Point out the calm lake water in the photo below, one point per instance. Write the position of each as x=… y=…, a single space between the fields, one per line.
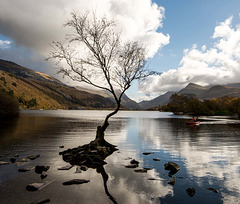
x=209 y=157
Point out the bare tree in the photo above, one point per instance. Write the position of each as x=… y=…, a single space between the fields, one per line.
x=93 y=53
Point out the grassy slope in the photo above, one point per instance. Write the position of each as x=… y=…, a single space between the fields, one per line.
x=50 y=95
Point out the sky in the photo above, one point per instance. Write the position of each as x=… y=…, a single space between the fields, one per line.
x=188 y=41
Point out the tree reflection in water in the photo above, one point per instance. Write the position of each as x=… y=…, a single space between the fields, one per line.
x=92 y=156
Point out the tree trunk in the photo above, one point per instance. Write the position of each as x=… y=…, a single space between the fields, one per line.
x=101 y=129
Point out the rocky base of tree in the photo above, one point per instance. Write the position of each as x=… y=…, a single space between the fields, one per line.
x=91 y=155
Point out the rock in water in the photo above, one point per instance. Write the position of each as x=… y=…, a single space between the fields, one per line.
x=213 y=190
x=32 y=157
x=78 y=170
x=190 y=191
x=172 y=181
x=75 y=181
x=141 y=170
x=67 y=167
x=156 y=159
x=147 y=153
x=173 y=167
x=43 y=175
x=29 y=168
x=132 y=166
x=133 y=161
x=41 y=201
x=40 y=169
x=37 y=186
x=12 y=160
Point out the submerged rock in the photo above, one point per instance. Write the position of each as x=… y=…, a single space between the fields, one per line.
x=213 y=190
x=37 y=186
x=133 y=161
x=190 y=191
x=29 y=168
x=32 y=157
x=67 y=167
x=172 y=181
x=78 y=170
x=132 y=166
x=147 y=153
x=41 y=201
x=75 y=181
x=43 y=175
x=40 y=169
x=143 y=170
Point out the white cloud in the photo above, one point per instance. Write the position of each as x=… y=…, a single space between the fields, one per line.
x=4 y=44
x=34 y=24
x=219 y=64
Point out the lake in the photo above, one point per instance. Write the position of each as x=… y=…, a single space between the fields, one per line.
x=208 y=154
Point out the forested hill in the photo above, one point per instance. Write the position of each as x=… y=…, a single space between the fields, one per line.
x=35 y=90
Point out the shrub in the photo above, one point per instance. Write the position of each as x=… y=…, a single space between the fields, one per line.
x=8 y=105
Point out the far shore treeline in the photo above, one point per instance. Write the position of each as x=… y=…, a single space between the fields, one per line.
x=191 y=105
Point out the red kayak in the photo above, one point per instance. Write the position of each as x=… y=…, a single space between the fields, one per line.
x=192 y=122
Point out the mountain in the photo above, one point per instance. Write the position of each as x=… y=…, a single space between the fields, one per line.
x=41 y=91
x=24 y=72
x=195 y=89
x=203 y=93
x=126 y=101
x=160 y=100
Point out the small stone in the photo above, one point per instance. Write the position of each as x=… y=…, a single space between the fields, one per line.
x=41 y=202
x=12 y=160
x=43 y=175
x=133 y=161
x=156 y=159
x=213 y=190
x=32 y=157
x=78 y=170
x=84 y=168
x=61 y=146
x=40 y=169
x=75 y=181
x=172 y=181
x=67 y=167
x=147 y=153
x=4 y=163
x=172 y=166
x=141 y=170
x=190 y=191
x=132 y=166
x=29 y=168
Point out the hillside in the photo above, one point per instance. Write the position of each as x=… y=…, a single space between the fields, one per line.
x=201 y=92
x=158 y=101
x=35 y=90
x=126 y=101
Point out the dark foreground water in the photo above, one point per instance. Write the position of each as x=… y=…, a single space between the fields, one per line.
x=209 y=156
